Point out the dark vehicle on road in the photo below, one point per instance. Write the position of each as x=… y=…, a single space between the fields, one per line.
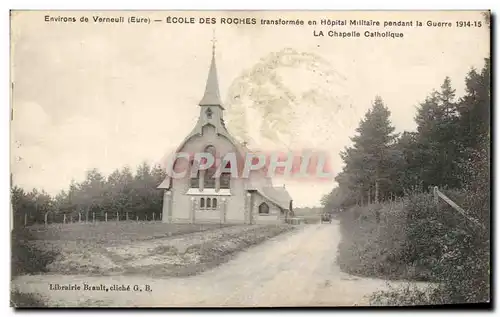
x=326 y=218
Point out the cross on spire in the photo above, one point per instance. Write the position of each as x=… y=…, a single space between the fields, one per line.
x=211 y=96
x=214 y=40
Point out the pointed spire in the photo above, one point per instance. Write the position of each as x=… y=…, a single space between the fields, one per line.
x=211 y=96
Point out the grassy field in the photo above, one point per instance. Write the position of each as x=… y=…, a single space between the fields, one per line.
x=111 y=231
x=155 y=249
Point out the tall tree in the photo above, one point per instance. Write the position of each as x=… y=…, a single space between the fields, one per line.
x=368 y=162
x=92 y=193
x=474 y=108
x=406 y=172
x=438 y=139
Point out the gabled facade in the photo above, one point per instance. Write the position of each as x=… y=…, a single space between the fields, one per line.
x=223 y=199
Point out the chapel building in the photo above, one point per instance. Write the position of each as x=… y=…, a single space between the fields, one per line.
x=223 y=199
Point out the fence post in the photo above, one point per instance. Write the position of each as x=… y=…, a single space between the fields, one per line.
x=436 y=198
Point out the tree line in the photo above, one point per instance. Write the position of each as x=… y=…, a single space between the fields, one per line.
x=123 y=194
x=420 y=238
x=452 y=135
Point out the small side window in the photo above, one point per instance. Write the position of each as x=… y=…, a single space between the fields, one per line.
x=263 y=209
x=209 y=113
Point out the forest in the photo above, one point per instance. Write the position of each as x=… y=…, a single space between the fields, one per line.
x=392 y=225
x=452 y=135
x=123 y=194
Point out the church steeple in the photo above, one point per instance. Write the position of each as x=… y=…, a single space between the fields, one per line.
x=212 y=96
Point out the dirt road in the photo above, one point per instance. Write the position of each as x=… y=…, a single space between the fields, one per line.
x=294 y=269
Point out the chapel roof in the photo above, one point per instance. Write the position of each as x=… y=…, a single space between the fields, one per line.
x=211 y=97
x=277 y=195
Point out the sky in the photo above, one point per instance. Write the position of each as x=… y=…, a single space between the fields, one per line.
x=90 y=95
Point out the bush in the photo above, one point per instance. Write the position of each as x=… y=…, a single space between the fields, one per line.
x=371 y=248
x=448 y=248
x=21 y=300
x=406 y=295
x=26 y=258
x=464 y=269
x=417 y=242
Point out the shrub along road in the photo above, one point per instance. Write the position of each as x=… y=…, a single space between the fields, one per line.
x=292 y=269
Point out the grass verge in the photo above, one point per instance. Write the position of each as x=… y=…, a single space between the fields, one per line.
x=180 y=255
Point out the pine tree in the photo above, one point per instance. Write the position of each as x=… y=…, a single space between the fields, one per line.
x=438 y=139
x=368 y=162
x=407 y=168
x=475 y=108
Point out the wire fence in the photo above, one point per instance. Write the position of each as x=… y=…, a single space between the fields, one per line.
x=440 y=195
x=25 y=219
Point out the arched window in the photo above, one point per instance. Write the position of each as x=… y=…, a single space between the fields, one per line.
x=263 y=209
x=225 y=180
x=208 y=203
x=214 y=203
x=202 y=203
x=194 y=182
x=209 y=179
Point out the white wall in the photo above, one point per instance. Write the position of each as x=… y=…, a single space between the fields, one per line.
x=181 y=206
x=274 y=215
